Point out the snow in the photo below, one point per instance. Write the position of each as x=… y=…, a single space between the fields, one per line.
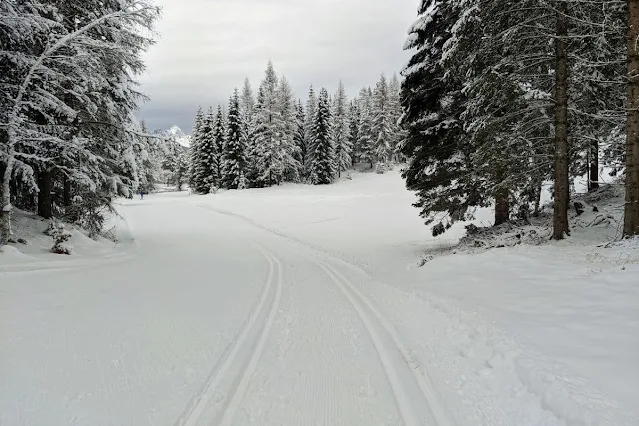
x=305 y=305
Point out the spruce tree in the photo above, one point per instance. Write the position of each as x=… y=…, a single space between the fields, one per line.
x=219 y=138
x=341 y=130
x=299 y=139
x=309 y=123
x=288 y=127
x=382 y=117
x=365 y=131
x=194 y=150
x=234 y=158
x=205 y=173
x=439 y=167
x=268 y=137
x=323 y=166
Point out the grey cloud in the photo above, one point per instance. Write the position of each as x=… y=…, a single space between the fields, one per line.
x=208 y=47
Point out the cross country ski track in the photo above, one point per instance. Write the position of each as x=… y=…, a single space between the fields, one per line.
x=224 y=390
x=417 y=399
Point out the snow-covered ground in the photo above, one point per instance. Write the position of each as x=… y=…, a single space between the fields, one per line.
x=300 y=305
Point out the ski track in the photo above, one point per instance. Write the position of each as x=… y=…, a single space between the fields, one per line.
x=240 y=363
x=417 y=399
x=417 y=407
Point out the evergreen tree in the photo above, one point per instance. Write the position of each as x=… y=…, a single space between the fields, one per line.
x=354 y=118
x=204 y=161
x=299 y=139
x=364 y=147
x=341 y=130
x=323 y=166
x=268 y=142
x=382 y=117
x=234 y=160
x=219 y=137
x=195 y=151
x=439 y=167
x=309 y=123
x=286 y=132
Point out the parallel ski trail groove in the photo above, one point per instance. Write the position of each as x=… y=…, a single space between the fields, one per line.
x=242 y=386
x=203 y=400
x=430 y=411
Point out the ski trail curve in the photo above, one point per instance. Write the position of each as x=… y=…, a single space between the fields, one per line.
x=416 y=397
x=242 y=386
x=244 y=347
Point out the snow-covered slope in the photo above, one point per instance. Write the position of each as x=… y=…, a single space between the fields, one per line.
x=304 y=305
x=179 y=136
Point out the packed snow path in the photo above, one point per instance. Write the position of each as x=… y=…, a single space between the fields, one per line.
x=219 y=323
x=229 y=313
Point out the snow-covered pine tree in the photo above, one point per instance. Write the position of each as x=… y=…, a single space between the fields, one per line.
x=268 y=119
x=323 y=166
x=67 y=97
x=309 y=123
x=341 y=130
x=299 y=139
x=364 y=147
x=234 y=160
x=194 y=149
x=382 y=118
x=286 y=132
x=395 y=106
x=354 y=118
x=219 y=134
x=204 y=161
x=439 y=167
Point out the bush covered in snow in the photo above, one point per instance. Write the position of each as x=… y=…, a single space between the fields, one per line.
x=61 y=237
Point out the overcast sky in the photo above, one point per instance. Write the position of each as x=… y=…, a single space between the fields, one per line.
x=207 y=47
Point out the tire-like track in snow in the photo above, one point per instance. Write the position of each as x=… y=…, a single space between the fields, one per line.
x=231 y=379
x=417 y=399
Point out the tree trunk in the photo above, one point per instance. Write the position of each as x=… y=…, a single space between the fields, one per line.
x=45 y=206
x=67 y=192
x=538 y=190
x=502 y=206
x=593 y=166
x=562 y=191
x=631 y=214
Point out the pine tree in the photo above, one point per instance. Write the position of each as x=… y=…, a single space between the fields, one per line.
x=341 y=130
x=439 y=167
x=204 y=161
x=354 y=118
x=234 y=160
x=286 y=132
x=394 y=103
x=268 y=118
x=323 y=166
x=219 y=135
x=382 y=117
x=299 y=139
x=364 y=147
x=194 y=150
x=309 y=123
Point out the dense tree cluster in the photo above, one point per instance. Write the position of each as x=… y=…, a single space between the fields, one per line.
x=501 y=96
x=68 y=137
x=273 y=137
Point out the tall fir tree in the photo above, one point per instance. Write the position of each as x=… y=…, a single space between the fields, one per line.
x=382 y=117
x=341 y=130
x=323 y=166
x=234 y=157
x=309 y=123
x=439 y=167
x=299 y=139
x=205 y=167
x=364 y=147
x=194 y=150
x=219 y=144
x=268 y=136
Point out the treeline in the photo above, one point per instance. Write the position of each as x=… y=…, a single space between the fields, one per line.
x=501 y=96
x=263 y=140
x=69 y=140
